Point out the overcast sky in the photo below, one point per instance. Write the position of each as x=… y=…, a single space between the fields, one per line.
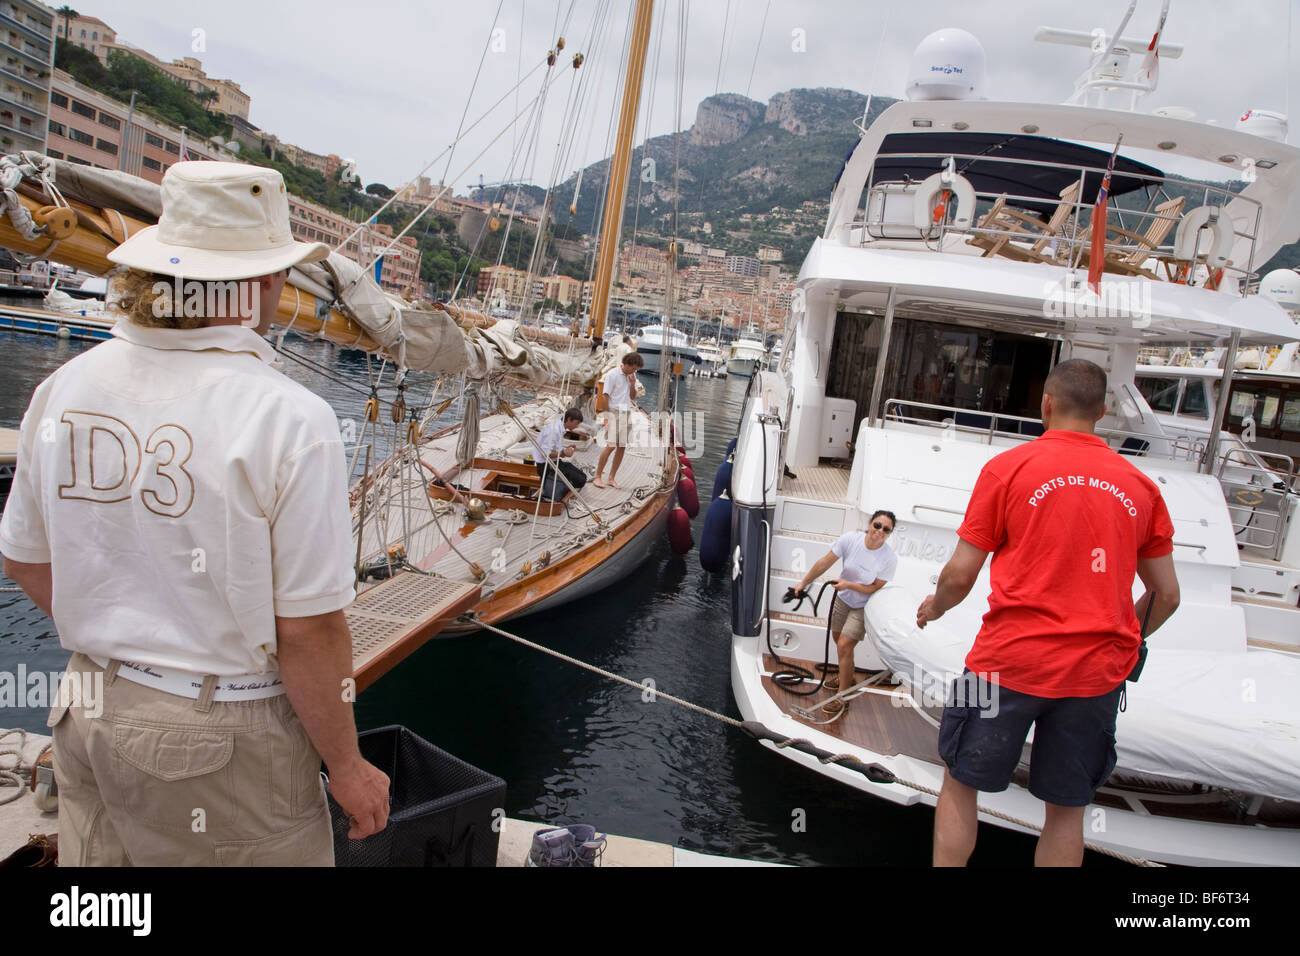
x=385 y=82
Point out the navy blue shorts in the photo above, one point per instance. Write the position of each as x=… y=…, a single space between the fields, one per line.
x=982 y=737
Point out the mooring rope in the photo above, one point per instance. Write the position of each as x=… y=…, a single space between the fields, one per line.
x=873 y=772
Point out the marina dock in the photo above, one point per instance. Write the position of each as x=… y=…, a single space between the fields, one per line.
x=22 y=818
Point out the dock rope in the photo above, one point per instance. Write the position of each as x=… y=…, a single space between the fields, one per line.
x=17 y=776
x=873 y=772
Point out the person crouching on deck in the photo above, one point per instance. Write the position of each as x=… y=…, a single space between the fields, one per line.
x=554 y=450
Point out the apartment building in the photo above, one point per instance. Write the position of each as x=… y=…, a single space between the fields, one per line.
x=89 y=33
x=92 y=129
x=27 y=55
x=743 y=265
x=401 y=270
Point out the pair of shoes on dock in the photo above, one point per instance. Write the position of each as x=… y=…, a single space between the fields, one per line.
x=575 y=845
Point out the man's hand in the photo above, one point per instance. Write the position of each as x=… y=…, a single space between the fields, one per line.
x=361 y=789
x=569 y=450
x=840 y=584
x=955 y=581
x=315 y=656
x=927 y=612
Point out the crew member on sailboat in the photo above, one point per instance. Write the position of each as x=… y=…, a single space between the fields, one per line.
x=616 y=393
x=551 y=441
x=1069 y=522
x=181 y=510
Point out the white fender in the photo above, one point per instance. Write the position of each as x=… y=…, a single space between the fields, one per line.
x=1211 y=218
x=927 y=197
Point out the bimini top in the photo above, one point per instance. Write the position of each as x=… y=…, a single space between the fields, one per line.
x=902 y=156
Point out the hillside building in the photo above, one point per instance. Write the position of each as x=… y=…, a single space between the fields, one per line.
x=27 y=47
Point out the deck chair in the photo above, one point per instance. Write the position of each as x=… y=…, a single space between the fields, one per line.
x=1012 y=226
x=1144 y=245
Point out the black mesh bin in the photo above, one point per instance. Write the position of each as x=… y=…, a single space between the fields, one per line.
x=441 y=813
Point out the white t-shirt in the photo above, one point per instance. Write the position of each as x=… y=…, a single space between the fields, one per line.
x=862 y=565
x=615 y=385
x=186 y=493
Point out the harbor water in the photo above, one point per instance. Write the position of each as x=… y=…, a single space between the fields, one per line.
x=571 y=745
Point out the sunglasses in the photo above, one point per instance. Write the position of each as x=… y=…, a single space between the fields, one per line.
x=880 y=527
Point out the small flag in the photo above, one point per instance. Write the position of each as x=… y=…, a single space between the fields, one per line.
x=1151 y=62
x=1097 y=255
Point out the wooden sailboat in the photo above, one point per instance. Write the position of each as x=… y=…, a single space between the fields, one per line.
x=451 y=528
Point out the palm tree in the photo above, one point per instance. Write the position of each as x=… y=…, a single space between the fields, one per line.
x=68 y=15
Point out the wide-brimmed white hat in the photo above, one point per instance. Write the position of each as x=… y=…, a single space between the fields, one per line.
x=219 y=221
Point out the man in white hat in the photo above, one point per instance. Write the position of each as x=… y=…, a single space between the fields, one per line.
x=180 y=510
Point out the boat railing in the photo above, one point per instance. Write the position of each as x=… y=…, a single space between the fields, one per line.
x=986 y=426
x=1261 y=489
x=1139 y=242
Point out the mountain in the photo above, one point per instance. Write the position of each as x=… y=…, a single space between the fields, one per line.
x=739 y=157
x=739 y=160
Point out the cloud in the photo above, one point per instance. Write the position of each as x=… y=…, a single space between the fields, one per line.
x=386 y=82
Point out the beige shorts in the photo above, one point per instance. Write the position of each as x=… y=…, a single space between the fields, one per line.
x=155 y=781
x=848 y=621
x=617 y=423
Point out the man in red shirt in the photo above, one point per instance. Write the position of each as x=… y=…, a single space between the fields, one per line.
x=1069 y=523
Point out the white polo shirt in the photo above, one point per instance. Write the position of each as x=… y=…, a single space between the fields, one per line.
x=185 y=493
x=615 y=385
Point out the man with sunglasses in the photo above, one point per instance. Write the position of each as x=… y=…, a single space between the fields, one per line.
x=869 y=564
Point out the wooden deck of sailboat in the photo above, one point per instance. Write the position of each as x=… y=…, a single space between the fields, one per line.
x=390 y=620
x=509 y=545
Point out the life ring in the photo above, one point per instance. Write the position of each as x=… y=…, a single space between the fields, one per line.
x=930 y=198
x=1189 y=231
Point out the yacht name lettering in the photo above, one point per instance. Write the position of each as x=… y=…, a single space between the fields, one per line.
x=924 y=549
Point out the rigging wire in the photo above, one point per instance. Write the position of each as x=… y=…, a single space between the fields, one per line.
x=757 y=47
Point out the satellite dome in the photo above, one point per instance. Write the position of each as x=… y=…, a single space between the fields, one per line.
x=1283 y=287
x=947 y=65
x=1264 y=123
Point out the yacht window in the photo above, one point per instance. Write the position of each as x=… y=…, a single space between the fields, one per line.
x=1241 y=405
x=1161 y=393
x=1194 y=404
x=1291 y=414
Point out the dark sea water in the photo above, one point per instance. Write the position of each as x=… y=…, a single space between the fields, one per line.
x=571 y=745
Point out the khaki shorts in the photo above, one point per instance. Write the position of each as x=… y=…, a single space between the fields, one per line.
x=156 y=781
x=617 y=423
x=848 y=621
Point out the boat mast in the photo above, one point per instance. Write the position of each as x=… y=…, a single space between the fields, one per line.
x=616 y=189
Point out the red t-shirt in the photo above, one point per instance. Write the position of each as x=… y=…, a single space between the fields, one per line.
x=1067 y=520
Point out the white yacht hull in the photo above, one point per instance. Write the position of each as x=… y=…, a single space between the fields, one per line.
x=1163 y=839
x=741 y=366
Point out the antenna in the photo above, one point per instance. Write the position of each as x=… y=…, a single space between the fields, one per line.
x=1108 y=71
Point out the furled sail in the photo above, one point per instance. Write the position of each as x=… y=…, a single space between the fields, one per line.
x=50 y=208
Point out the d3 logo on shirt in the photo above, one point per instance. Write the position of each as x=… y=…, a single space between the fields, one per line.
x=107 y=458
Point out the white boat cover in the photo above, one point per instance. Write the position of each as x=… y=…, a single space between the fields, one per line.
x=1224 y=719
